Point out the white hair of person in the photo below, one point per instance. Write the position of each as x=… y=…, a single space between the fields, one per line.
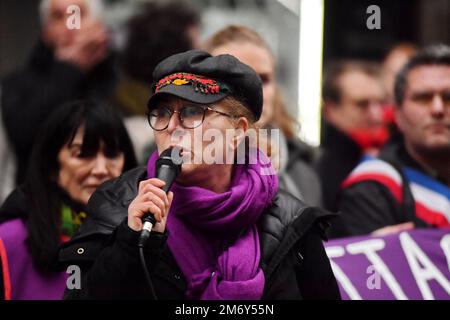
x=96 y=8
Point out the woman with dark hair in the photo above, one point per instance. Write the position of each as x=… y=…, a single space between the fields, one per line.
x=225 y=230
x=80 y=146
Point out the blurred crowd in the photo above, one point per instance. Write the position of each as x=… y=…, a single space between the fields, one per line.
x=75 y=115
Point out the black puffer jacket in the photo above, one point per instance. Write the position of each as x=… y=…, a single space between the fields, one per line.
x=292 y=254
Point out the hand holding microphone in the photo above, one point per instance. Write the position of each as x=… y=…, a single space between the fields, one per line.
x=154 y=199
x=151 y=199
x=149 y=210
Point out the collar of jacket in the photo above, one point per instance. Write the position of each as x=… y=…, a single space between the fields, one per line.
x=280 y=226
x=396 y=154
x=337 y=140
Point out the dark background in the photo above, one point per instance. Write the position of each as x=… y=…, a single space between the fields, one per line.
x=346 y=34
x=419 y=21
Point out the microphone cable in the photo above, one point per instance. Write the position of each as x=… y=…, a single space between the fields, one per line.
x=142 y=240
x=167 y=169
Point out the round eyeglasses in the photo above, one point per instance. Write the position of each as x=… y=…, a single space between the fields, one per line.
x=191 y=116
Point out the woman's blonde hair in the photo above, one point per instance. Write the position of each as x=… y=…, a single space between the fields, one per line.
x=233 y=34
x=241 y=34
x=237 y=109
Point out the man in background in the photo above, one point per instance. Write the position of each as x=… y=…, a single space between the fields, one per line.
x=66 y=64
x=408 y=185
x=353 y=112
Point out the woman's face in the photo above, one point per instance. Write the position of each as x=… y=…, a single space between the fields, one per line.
x=202 y=146
x=260 y=60
x=80 y=175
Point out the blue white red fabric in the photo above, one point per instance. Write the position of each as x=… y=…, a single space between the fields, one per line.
x=432 y=198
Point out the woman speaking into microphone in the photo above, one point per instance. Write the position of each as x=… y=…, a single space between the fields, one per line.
x=224 y=230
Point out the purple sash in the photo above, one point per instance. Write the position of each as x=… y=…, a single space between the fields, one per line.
x=26 y=282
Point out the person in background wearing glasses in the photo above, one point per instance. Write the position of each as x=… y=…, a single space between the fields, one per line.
x=290 y=156
x=353 y=106
x=225 y=230
x=408 y=185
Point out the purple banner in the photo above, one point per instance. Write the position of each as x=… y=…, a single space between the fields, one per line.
x=412 y=265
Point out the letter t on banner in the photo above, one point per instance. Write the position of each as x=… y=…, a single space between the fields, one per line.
x=370 y=248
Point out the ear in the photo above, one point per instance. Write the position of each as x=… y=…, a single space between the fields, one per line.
x=240 y=130
x=328 y=110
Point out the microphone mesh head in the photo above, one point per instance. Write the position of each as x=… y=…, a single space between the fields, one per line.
x=171 y=157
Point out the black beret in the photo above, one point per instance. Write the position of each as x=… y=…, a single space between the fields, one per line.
x=198 y=77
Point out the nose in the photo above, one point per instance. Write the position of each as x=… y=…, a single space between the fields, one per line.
x=174 y=123
x=437 y=106
x=100 y=168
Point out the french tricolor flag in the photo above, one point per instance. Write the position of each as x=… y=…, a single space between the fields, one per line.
x=432 y=198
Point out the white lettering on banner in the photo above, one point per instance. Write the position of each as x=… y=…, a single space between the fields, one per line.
x=369 y=248
x=336 y=252
x=415 y=255
x=445 y=245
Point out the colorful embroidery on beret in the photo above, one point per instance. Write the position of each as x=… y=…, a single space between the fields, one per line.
x=200 y=84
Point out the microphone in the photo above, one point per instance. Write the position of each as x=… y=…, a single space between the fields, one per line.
x=168 y=167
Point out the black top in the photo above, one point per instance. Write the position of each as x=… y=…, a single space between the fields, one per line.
x=293 y=258
x=339 y=156
x=16 y=204
x=369 y=205
x=30 y=94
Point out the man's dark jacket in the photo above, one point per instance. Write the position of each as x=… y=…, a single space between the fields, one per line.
x=293 y=258
x=30 y=94
x=339 y=155
x=368 y=205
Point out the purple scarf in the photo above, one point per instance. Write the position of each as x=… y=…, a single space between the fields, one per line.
x=214 y=237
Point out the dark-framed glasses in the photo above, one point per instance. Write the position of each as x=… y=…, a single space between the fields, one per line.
x=190 y=116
